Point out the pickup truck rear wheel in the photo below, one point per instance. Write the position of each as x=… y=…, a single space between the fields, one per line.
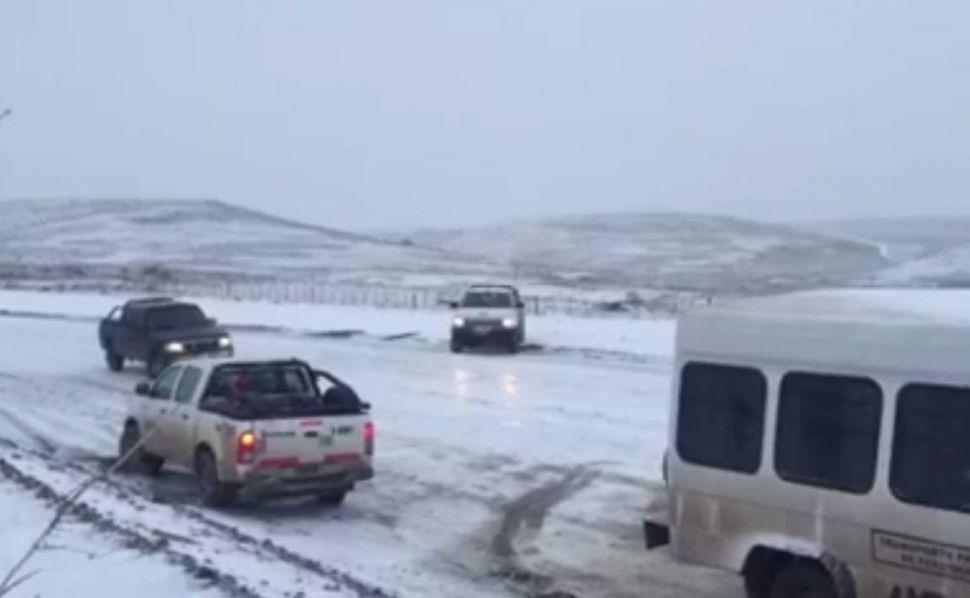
x=214 y=492
x=456 y=346
x=115 y=362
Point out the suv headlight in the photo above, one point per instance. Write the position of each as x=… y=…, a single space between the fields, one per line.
x=175 y=348
x=510 y=322
x=458 y=322
x=225 y=342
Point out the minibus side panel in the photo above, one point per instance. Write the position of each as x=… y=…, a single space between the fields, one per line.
x=892 y=549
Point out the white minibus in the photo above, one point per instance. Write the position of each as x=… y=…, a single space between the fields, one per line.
x=820 y=444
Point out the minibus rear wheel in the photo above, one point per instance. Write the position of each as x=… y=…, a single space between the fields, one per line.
x=803 y=579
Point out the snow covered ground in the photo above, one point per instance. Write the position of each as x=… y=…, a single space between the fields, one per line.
x=634 y=339
x=76 y=562
x=496 y=475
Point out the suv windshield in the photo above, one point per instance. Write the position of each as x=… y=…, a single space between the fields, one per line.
x=177 y=316
x=487 y=299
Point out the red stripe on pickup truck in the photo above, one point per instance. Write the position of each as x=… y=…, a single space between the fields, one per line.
x=342 y=458
x=284 y=463
x=311 y=423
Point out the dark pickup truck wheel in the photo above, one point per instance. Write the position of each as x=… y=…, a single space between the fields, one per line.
x=512 y=344
x=115 y=362
x=456 y=346
x=156 y=365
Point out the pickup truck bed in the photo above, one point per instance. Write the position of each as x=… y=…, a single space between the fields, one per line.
x=256 y=429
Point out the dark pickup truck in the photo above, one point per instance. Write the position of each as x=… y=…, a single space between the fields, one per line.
x=159 y=331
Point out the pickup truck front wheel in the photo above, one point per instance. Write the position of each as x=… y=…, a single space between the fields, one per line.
x=115 y=362
x=139 y=461
x=214 y=492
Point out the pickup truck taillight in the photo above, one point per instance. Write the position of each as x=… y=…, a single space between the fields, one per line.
x=370 y=433
x=248 y=445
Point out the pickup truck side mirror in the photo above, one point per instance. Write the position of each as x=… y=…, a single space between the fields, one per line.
x=453 y=305
x=520 y=305
x=143 y=389
x=212 y=321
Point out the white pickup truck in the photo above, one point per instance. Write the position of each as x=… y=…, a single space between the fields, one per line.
x=253 y=429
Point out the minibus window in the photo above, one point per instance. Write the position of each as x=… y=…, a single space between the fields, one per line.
x=931 y=449
x=828 y=431
x=721 y=416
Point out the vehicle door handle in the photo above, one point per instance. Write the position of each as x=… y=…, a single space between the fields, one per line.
x=185 y=416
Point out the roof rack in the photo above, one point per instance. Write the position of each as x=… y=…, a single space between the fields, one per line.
x=151 y=300
x=491 y=286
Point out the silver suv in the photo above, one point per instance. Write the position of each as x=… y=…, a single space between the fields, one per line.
x=488 y=314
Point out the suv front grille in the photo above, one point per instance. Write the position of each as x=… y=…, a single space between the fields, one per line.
x=205 y=346
x=483 y=323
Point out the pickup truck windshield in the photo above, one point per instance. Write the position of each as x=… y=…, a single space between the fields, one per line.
x=487 y=299
x=175 y=317
x=261 y=381
x=275 y=390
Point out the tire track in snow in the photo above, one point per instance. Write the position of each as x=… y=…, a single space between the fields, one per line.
x=241 y=538
x=37 y=409
x=40 y=440
x=533 y=506
x=531 y=509
x=130 y=538
x=138 y=534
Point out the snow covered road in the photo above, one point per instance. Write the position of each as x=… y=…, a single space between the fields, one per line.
x=496 y=475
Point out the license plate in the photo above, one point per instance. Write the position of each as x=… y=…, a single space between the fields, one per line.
x=304 y=469
x=482 y=329
x=326 y=441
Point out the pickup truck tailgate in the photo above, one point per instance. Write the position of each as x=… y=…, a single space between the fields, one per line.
x=312 y=440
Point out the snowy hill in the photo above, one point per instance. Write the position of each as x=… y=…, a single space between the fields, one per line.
x=204 y=235
x=932 y=251
x=905 y=238
x=679 y=251
x=598 y=258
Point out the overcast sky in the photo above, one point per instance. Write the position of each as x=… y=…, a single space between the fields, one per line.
x=401 y=113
